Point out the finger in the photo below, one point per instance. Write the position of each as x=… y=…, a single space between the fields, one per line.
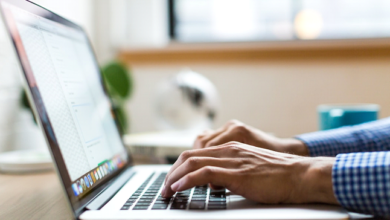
x=202 y=139
x=215 y=187
x=233 y=133
x=209 y=174
x=206 y=152
x=193 y=164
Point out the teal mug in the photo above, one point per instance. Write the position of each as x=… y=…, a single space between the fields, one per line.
x=339 y=115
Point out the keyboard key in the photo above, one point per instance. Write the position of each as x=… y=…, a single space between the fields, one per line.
x=163 y=199
x=198 y=199
x=158 y=207
x=162 y=202
x=149 y=194
x=217 y=196
x=211 y=203
x=140 y=207
x=212 y=191
x=197 y=205
x=125 y=208
x=143 y=203
x=147 y=197
x=154 y=187
x=180 y=200
x=199 y=196
x=217 y=199
x=179 y=206
x=145 y=200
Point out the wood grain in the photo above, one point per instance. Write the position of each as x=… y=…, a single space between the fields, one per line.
x=32 y=196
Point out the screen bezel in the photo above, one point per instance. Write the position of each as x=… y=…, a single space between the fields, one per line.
x=40 y=111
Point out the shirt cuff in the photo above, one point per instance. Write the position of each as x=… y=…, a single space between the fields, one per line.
x=367 y=137
x=361 y=182
x=330 y=142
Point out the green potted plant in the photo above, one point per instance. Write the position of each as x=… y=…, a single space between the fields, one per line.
x=119 y=86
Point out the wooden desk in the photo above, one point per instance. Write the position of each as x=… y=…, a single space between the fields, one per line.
x=37 y=196
x=32 y=196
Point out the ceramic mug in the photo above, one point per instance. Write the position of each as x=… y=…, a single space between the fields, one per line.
x=339 y=115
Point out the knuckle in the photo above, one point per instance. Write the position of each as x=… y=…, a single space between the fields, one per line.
x=202 y=141
x=185 y=155
x=210 y=144
x=208 y=171
x=201 y=136
x=240 y=129
x=229 y=145
x=241 y=162
x=193 y=161
x=232 y=144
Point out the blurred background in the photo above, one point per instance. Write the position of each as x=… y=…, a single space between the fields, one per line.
x=272 y=62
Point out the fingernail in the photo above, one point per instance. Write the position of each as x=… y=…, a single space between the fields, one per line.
x=175 y=186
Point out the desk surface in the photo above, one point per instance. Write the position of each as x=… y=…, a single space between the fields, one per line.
x=32 y=196
x=35 y=196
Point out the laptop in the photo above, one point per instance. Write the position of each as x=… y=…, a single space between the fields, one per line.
x=64 y=85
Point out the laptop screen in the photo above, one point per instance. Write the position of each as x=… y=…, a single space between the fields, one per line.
x=66 y=86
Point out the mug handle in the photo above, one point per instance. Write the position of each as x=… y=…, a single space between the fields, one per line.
x=336 y=118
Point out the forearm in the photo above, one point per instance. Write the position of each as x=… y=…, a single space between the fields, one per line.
x=374 y=136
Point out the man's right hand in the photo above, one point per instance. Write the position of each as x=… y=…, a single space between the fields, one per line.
x=238 y=131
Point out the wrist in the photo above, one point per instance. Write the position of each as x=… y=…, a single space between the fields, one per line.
x=295 y=146
x=316 y=181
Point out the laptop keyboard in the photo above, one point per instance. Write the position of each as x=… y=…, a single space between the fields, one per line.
x=197 y=198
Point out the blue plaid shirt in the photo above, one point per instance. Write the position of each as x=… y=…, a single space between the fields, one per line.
x=361 y=174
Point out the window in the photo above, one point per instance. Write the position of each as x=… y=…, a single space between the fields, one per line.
x=265 y=20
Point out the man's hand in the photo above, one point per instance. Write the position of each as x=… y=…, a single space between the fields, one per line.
x=257 y=174
x=237 y=131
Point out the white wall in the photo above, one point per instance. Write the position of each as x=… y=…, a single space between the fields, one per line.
x=276 y=96
x=129 y=24
x=9 y=89
x=79 y=11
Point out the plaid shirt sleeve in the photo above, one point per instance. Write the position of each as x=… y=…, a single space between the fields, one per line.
x=368 y=137
x=361 y=180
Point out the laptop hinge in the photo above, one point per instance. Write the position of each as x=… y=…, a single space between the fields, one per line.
x=110 y=192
